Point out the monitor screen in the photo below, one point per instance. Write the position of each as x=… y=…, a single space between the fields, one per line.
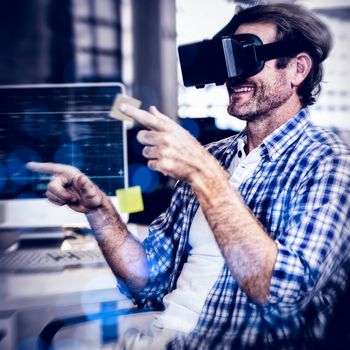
x=67 y=124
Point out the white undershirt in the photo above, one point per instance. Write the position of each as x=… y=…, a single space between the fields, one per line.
x=204 y=264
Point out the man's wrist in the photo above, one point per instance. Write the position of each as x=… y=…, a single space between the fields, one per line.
x=210 y=181
x=105 y=206
x=106 y=222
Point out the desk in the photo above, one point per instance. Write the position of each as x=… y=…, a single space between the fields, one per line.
x=28 y=301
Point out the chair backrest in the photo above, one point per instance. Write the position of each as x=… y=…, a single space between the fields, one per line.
x=47 y=335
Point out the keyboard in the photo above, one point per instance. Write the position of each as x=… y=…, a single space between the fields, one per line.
x=35 y=260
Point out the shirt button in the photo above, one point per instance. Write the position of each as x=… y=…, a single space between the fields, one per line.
x=239 y=154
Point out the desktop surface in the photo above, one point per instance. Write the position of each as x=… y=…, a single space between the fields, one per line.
x=33 y=298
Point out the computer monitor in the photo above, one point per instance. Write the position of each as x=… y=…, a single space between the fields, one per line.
x=64 y=123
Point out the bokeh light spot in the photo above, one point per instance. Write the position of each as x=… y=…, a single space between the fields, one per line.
x=191 y=126
x=3 y=177
x=141 y=175
x=15 y=165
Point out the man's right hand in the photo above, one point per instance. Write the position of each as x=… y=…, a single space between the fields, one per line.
x=70 y=186
x=124 y=254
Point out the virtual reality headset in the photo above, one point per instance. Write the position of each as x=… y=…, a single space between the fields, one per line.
x=231 y=58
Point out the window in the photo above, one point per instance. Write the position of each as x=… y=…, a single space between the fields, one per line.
x=333 y=106
x=97 y=32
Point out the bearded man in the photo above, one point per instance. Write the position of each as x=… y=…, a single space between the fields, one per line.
x=252 y=251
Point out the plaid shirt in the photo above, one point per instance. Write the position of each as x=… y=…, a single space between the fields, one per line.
x=300 y=192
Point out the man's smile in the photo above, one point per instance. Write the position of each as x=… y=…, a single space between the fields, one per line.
x=243 y=92
x=242 y=89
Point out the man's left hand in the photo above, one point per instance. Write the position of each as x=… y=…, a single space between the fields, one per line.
x=171 y=149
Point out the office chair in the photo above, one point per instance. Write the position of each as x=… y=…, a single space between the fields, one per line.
x=338 y=335
x=47 y=335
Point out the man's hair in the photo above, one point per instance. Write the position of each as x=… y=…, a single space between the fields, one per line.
x=297 y=23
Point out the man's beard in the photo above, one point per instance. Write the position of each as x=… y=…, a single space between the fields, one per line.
x=266 y=98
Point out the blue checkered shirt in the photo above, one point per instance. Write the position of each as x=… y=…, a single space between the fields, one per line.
x=300 y=192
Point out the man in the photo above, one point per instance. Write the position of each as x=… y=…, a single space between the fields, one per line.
x=252 y=250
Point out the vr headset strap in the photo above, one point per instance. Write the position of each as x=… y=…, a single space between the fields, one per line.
x=283 y=48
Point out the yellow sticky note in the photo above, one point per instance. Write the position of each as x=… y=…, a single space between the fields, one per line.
x=116 y=113
x=130 y=200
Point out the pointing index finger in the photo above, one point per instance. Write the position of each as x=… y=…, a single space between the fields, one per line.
x=51 y=168
x=150 y=121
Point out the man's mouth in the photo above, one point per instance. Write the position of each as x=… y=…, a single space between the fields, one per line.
x=241 y=89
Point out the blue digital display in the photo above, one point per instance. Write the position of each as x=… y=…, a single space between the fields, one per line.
x=63 y=124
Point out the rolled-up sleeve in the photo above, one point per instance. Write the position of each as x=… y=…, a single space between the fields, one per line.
x=163 y=247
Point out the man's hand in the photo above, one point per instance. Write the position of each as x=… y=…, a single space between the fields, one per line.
x=124 y=254
x=170 y=149
x=249 y=252
x=69 y=186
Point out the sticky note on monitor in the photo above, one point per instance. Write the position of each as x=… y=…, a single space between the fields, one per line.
x=119 y=99
x=130 y=200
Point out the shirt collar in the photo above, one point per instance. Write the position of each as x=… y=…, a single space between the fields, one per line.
x=275 y=144
x=231 y=149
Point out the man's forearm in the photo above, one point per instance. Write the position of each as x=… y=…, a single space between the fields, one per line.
x=124 y=254
x=247 y=249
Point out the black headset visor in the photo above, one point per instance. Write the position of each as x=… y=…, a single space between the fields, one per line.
x=229 y=58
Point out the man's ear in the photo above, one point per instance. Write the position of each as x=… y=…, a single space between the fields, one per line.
x=302 y=67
